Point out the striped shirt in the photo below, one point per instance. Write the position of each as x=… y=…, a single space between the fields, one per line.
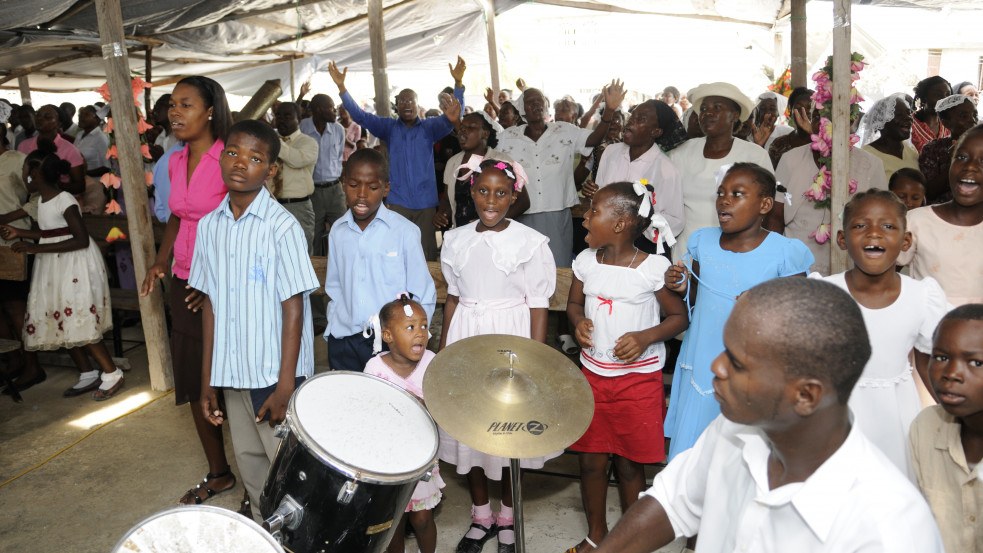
x=247 y=268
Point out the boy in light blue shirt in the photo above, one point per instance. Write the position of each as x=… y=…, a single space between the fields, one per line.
x=374 y=254
x=251 y=263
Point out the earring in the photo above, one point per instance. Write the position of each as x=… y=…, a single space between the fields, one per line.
x=209 y=117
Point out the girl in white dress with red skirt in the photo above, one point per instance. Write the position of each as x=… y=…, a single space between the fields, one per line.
x=614 y=305
x=500 y=275
x=68 y=305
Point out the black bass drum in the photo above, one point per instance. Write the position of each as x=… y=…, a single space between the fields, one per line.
x=354 y=447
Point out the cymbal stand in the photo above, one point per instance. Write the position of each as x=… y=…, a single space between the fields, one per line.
x=520 y=533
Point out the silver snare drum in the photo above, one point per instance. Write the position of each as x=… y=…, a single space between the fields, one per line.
x=197 y=529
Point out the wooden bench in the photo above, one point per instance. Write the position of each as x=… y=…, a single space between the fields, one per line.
x=558 y=302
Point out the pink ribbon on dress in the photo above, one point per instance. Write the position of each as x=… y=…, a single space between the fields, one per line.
x=607 y=302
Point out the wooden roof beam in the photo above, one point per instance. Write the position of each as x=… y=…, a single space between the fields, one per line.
x=618 y=9
x=309 y=34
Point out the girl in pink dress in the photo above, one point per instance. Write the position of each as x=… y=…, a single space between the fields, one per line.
x=500 y=275
x=405 y=330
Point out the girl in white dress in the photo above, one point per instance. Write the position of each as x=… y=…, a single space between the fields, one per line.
x=900 y=313
x=68 y=305
x=614 y=304
x=405 y=330
x=500 y=275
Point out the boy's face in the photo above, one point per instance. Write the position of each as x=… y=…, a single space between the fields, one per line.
x=956 y=367
x=364 y=192
x=911 y=192
x=407 y=336
x=749 y=383
x=246 y=163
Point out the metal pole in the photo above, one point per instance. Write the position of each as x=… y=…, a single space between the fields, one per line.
x=489 y=8
x=800 y=63
x=520 y=533
x=839 y=193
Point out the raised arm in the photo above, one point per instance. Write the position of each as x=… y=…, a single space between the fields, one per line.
x=613 y=95
x=379 y=126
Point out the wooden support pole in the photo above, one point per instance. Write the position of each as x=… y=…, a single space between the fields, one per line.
x=137 y=207
x=148 y=105
x=489 y=8
x=25 y=90
x=293 y=90
x=839 y=193
x=377 y=42
x=800 y=63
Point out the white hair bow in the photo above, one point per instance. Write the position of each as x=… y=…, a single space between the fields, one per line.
x=373 y=326
x=658 y=229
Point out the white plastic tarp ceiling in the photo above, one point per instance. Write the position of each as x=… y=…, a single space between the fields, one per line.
x=242 y=43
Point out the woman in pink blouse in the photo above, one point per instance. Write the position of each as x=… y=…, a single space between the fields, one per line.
x=199 y=115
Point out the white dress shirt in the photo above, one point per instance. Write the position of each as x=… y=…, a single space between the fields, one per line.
x=298 y=154
x=617 y=166
x=548 y=163
x=855 y=501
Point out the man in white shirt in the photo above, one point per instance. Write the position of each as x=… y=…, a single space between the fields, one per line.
x=328 y=198
x=546 y=151
x=298 y=154
x=783 y=468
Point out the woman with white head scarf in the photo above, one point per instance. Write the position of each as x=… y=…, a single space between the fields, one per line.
x=886 y=132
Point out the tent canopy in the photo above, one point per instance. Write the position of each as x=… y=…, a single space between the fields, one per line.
x=245 y=42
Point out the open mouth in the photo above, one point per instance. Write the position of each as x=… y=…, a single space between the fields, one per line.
x=417 y=348
x=724 y=216
x=360 y=208
x=873 y=251
x=966 y=186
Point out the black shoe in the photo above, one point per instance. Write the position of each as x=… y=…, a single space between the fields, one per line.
x=470 y=545
x=506 y=547
x=25 y=384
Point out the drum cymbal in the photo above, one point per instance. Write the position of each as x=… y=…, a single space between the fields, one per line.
x=539 y=407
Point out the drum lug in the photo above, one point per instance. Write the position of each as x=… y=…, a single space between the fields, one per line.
x=288 y=515
x=429 y=474
x=346 y=492
x=281 y=431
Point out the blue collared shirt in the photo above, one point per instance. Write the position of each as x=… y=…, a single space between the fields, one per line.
x=331 y=145
x=248 y=268
x=368 y=269
x=412 y=181
x=162 y=184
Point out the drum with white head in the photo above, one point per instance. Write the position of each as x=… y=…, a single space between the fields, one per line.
x=354 y=446
x=197 y=529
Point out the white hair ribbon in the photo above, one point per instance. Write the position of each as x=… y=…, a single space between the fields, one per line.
x=658 y=229
x=721 y=173
x=373 y=326
x=512 y=170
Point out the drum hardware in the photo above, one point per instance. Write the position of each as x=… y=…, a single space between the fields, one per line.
x=521 y=410
x=346 y=492
x=287 y=515
x=281 y=430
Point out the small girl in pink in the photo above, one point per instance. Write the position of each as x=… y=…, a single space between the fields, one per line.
x=947 y=237
x=500 y=275
x=405 y=330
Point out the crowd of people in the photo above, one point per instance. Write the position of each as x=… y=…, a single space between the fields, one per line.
x=794 y=419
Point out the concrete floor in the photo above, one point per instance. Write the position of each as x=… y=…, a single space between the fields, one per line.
x=98 y=482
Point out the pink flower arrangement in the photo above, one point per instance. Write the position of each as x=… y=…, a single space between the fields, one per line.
x=149 y=178
x=109 y=126
x=109 y=180
x=822 y=141
x=822 y=233
x=113 y=208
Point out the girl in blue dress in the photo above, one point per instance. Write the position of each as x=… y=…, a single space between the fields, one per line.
x=723 y=262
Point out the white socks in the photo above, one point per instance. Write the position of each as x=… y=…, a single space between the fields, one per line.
x=110 y=379
x=86 y=379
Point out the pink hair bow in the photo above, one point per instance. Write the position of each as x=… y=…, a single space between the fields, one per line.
x=512 y=170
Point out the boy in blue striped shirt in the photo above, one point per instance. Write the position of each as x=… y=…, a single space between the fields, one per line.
x=251 y=263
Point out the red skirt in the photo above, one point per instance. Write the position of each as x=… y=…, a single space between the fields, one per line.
x=628 y=415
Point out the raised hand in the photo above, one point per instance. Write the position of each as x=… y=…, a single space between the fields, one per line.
x=761 y=133
x=451 y=108
x=520 y=84
x=337 y=76
x=457 y=71
x=304 y=89
x=613 y=95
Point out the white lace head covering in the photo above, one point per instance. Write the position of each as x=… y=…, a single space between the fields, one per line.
x=878 y=116
x=494 y=124
x=782 y=102
x=5 y=110
x=950 y=102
